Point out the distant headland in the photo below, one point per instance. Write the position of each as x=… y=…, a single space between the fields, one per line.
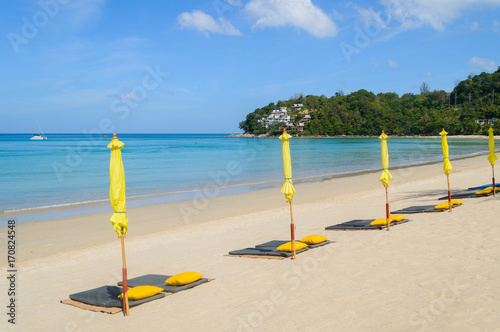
x=470 y=108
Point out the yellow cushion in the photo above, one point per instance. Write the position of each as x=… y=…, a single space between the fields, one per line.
x=442 y=206
x=484 y=191
x=288 y=246
x=397 y=217
x=446 y=204
x=314 y=239
x=379 y=222
x=383 y=221
x=141 y=292
x=184 y=278
x=487 y=190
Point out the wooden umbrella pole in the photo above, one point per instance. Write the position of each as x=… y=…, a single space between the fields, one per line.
x=493 y=171
x=292 y=231
x=449 y=191
x=125 y=285
x=387 y=209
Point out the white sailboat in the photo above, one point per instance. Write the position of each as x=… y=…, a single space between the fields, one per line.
x=39 y=136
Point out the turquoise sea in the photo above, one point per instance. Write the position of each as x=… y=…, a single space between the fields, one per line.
x=41 y=179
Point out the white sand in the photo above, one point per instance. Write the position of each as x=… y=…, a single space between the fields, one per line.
x=439 y=272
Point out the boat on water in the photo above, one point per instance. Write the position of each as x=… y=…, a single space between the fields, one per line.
x=39 y=136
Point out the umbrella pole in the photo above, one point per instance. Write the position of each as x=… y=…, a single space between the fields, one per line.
x=292 y=231
x=493 y=171
x=387 y=210
x=124 y=272
x=449 y=192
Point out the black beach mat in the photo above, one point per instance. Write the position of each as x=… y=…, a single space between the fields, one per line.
x=105 y=299
x=158 y=280
x=468 y=194
x=264 y=252
x=421 y=209
x=361 y=224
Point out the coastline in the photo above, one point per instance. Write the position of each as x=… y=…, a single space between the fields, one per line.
x=44 y=213
x=257 y=165
x=247 y=135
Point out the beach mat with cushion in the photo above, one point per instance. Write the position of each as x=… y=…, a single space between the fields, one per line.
x=466 y=194
x=264 y=251
x=158 y=280
x=268 y=250
x=420 y=209
x=361 y=224
x=107 y=296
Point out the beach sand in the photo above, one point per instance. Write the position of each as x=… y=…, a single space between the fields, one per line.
x=439 y=272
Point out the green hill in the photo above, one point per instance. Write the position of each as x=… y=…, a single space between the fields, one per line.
x=364 y=113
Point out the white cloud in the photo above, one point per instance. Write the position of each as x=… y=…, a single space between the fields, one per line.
x=301 y=14
x=392 y=63
x=496 y=26
x=435 y=13
x=205 y=23
x=474 y=26
x=427 y=74
x=483 y=64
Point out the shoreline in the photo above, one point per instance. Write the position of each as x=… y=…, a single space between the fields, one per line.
x=90 y=207
x=247 y=135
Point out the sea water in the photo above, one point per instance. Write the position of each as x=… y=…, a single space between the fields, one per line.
x=43 y=179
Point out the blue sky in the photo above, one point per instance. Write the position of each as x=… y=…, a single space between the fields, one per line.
x=201 y=66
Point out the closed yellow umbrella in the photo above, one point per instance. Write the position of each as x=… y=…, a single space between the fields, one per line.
x=492 y=157
x=287 y=187
x=446 y=162
x=385 y=176
x=119 y=219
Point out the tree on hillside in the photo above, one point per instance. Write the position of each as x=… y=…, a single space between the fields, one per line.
x=424 y=88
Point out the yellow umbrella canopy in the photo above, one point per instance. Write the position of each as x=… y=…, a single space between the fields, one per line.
x=119 y=219
x=491 y=145
x=385 y=176
x=492 y=157
x=446 y=160
x=446 y=163
x=287 y=187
